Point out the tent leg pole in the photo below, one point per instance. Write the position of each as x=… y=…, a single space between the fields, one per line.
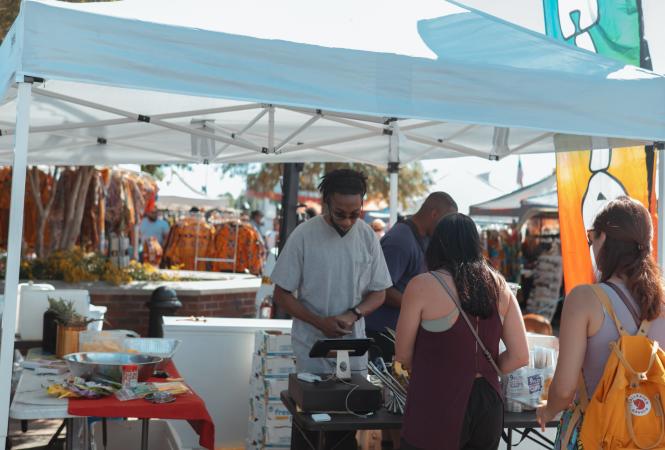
x=661 y=205
x=394 y=180
x=14 y=240
x=393 y=171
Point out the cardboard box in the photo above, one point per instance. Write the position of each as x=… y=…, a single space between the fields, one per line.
x=277 y=436
x=273 y=343
x=278 y=365
x=274 y=386
x=270 y=412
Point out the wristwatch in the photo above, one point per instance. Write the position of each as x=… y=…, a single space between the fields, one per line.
x=357 y=312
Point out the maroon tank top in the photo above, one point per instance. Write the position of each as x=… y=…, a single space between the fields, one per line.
x=444 y=369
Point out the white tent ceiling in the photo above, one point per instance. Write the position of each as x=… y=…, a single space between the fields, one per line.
x=289 y=90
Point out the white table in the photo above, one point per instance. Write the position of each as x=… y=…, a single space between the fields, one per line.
x=31 y=402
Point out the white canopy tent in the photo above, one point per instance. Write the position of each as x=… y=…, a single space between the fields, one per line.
x=376 y=82
x=176 y=193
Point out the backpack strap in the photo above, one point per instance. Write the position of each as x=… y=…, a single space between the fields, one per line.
x=643 y=326
x=578 y=411
x=637 y=376
x=607 y=304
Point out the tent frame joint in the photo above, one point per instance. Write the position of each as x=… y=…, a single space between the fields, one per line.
x=32 y=79
x=393 y=167
x=143 y=118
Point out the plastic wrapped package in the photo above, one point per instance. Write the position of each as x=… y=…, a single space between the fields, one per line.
x=103 y=341
x=527 y=387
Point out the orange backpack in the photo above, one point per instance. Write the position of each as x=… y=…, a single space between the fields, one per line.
x=626 y=410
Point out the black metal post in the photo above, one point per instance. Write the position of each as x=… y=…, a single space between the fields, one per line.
x=290 y=186
x=163 y=302
x=289 y=219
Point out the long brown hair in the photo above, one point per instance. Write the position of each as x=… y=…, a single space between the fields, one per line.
x=627 y=252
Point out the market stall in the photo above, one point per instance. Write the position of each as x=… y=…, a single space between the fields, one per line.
x=399 y=94
x=521 y=235
x=31 y=401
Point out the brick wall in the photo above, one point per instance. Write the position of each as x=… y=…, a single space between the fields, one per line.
x=129 y=311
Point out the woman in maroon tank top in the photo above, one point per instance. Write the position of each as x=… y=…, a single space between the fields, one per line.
x=454 y=399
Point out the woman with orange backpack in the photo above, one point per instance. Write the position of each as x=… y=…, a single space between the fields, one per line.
x=609 y=354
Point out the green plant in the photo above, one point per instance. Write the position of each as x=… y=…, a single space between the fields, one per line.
x=66 y=315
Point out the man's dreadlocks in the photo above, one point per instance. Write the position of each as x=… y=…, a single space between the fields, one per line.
x=343 y=181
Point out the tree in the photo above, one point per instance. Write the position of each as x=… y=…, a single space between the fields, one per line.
x=10 y=9
x=8 y=12
x=43 y=209
x=413 y=180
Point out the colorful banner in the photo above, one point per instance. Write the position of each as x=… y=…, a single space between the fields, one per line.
x=607 y=27
x=588 y=180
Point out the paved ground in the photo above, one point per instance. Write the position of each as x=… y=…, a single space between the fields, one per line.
x=40 y=431
x=38 y=435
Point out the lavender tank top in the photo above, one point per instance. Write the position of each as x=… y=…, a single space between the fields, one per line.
x=598 y=351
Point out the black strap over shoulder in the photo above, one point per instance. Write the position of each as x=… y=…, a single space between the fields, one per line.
x=626 y=301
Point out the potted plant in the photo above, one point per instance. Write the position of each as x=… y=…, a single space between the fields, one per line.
x=50 y=324
x=69 y=325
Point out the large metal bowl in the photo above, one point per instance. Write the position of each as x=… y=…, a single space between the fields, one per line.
x=109 y=365
x=161 y=347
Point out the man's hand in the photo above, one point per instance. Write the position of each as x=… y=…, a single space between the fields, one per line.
x=346 y=320
x=334 y=326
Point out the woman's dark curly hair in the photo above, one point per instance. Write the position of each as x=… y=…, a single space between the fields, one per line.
x=455 y=247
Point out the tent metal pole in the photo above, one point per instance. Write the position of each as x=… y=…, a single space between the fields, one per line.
x=443 y=143
x=302 y=128
x=661 y=204
x=323 y=142
x=14 y=240
x=271 y=129
x=245 y=128
x=429 y=123
x=393 y=171
x=154 y=120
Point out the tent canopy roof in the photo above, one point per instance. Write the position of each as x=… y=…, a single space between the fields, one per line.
x=515 y=203
x=184 y=83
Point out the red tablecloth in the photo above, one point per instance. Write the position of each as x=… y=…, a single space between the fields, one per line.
x=188 y=407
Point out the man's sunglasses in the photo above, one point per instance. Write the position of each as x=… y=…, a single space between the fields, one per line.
x=341 y=216
x=589 y=236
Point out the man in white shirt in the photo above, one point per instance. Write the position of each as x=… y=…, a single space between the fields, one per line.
x=331 y=272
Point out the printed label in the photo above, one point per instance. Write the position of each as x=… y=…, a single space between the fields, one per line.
x=535 y=383
x=640 y=405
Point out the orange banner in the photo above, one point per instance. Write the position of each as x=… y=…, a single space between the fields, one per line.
x=586 y=181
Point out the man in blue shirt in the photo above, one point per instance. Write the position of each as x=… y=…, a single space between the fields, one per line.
x=404 y=249
x=152 y=226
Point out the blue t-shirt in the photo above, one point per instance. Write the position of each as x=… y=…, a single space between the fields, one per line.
x=158 y=229
x=405 y=257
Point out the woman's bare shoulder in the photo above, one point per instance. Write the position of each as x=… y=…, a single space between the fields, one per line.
x=578 y=299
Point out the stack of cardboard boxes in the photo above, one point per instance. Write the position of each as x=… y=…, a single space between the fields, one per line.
x=270 y=421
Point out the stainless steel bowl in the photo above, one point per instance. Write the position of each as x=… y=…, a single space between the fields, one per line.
x=109 y=365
